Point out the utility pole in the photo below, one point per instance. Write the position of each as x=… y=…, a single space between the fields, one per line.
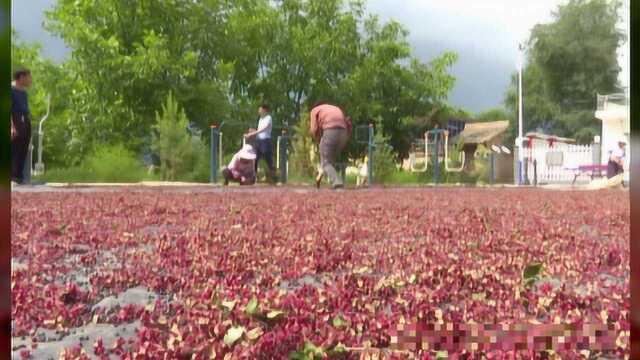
x=520 y=140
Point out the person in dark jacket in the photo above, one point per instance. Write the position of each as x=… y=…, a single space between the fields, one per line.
x=20 y=124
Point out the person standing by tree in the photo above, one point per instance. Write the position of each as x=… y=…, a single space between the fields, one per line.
x=20 y=124
x=331 y=128
x=263 y=143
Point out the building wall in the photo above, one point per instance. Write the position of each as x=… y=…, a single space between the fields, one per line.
x=615 y=125
x=504 y=168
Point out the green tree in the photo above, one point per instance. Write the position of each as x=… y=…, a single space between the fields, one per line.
x=292 y=53
x=577 y=52
x=304 y=158
x=127 y=56
x=172 y=141
x=54 y=81
x=384 y=164
x=569 y=62
x=495 y=114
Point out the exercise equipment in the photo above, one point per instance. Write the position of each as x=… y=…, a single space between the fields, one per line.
x=435 y=139
x=39 y=167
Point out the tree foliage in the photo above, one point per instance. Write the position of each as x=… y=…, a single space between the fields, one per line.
x=221 y=59
x=569 y=62
x=496 y=114
x=172 y=141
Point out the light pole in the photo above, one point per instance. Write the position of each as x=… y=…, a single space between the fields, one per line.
x=519 y=140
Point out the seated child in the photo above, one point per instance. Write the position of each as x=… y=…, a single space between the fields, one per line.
x=242 y=167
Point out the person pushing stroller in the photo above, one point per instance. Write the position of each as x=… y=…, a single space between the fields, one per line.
x=241 y=168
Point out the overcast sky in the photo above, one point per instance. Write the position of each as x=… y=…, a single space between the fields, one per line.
x=485 y=34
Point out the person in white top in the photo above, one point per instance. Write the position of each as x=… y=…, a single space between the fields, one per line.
x=263 y=142
x=616 y=160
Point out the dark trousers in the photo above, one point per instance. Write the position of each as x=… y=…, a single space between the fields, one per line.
x=228 y=176
x=20 y=148
x=264 y=150
x=613 y=169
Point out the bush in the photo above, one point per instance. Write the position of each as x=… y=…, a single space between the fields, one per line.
x=304 y=157
x=201 y=162
x=480 y=171
x=384 y=165
x=172 y=142
x=115 y=164
x=106 y=163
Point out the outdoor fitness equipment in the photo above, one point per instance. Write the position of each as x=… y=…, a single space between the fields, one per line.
x=217 y=152
x=436 y=138
x=39 y=167
x=363 y=135
x=369 y=140
x=282 y=155
x=446 y=156
x=282 y=150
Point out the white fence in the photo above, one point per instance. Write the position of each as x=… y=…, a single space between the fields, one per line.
x=557 y=163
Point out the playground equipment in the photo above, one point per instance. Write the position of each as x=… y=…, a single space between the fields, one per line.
x=39 y=167
x=217 y=150
x=417 y=145
x=446 y=156
x=282 y=155
x=370 y=141
x=437 y=138
x=282 y=151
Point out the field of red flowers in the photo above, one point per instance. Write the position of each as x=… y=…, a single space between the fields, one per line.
x=310 y=274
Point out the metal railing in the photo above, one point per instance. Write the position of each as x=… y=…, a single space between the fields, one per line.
x=618 y=99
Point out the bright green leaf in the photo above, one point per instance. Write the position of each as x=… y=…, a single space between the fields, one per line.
x=338 y=322
x=233 y=335
x=252 y=306
x=274 y=314
x=532 y=270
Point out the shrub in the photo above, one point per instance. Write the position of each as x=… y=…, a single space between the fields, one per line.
x=384 y=165
x=172 y=141
x=201 y=162
x=304 y=157
x=106 y=163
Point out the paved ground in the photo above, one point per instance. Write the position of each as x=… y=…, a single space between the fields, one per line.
x=216 y=188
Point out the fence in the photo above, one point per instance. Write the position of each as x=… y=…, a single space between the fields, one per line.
x=557 y=163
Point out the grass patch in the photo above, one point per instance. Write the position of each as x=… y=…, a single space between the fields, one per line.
x=108 y=164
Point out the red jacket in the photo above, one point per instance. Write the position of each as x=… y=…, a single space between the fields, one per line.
x=327 y=117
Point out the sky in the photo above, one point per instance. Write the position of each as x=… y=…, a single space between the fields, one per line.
x=485 y=34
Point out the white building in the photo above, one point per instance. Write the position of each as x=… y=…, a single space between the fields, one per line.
x=613 y=111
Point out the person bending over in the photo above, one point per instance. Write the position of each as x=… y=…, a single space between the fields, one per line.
x=241 y=168
x=331 y=128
